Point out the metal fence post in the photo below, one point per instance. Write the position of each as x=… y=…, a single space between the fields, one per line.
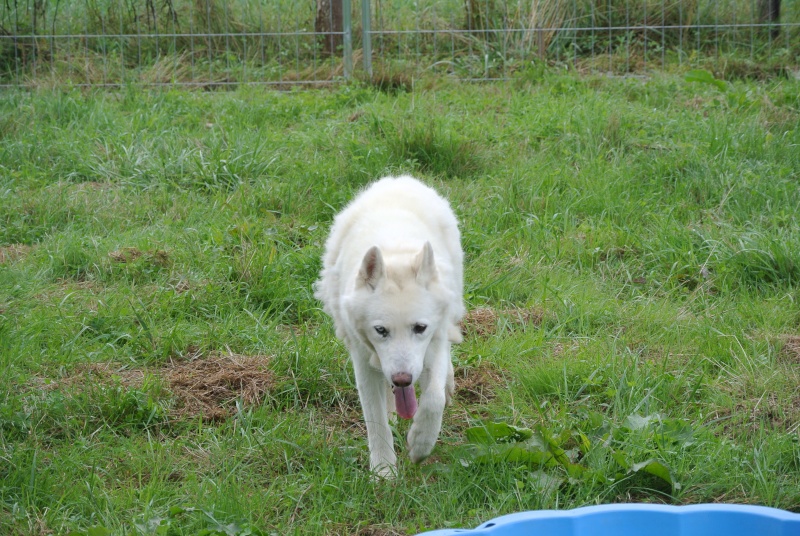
x=347 y=28
x=366 y=25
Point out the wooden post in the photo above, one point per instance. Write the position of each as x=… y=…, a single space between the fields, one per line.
x=329 y=23
x=769 y=11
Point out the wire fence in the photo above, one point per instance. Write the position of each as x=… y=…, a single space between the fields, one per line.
x=220 y=43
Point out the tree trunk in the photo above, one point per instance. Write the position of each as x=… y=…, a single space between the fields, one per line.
x=769 y=11
x=328 y=21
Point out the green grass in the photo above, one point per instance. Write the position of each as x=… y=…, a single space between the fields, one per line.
x=652 y=225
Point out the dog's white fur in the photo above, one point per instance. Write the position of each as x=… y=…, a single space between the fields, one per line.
x=393 y=260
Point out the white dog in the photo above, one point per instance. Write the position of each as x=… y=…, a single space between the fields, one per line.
x=392 y=280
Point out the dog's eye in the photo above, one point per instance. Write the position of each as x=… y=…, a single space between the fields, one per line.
x=419 y=329
x=382 y=331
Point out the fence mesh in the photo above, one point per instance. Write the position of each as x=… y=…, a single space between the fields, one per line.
x=218 y=43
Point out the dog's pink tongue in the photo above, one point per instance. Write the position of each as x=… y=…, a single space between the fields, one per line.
x=405 y=400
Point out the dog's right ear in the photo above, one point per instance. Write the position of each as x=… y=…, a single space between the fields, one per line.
x=372 y=270
x=425 y=266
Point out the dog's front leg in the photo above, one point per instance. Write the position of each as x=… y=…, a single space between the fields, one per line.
x=372 y=393
x=434 y=382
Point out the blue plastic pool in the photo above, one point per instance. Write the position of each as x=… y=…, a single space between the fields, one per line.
x=641 y=520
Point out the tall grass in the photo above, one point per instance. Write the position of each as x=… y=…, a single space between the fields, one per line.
x=217 y=43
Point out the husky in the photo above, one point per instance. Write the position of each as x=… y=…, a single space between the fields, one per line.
x=392 y=280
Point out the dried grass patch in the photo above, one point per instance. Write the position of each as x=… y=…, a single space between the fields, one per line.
x=125 y=255
x=478 y=385
x=485 y=321
x=381 y=529
x=130 y=254
x=791 y=349
x=14 y=252
x=780 y=415
x=202 y=386
x=90 y=186
x=772 y=402
x=378 y=530
x=481 y=321
x=210 y=386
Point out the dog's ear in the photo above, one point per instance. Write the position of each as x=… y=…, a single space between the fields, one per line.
x=372 y=270
x=425 y=266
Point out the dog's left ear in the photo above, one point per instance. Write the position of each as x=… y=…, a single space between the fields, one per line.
x=372 y=269
x=425 y=267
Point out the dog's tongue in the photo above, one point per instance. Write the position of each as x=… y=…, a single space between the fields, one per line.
x=405 y=401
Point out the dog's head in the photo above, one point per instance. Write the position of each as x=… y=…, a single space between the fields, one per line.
x=399 y=307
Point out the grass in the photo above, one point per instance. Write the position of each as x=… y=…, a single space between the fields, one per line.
x=632 y=268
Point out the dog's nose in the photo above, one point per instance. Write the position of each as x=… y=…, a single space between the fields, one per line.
x=401 y=379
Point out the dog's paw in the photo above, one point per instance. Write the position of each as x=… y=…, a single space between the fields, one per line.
x=383 y=464
x=420 y=443
x=449 y=393
x=384 y=472
x=449 y=385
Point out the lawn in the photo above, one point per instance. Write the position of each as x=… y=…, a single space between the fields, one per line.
x=632 y=276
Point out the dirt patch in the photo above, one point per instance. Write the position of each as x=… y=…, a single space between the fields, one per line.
x=767 y=409
x=530 y=316
x=478 y=385
x=182 y=286
x=13 y=252
x=90 y=186
x=391 y=82
x=697 y=103
x=752 y=415
x=790 y=352
x=342 y=418
x=127 y=255
x=481 y=322
x=356 y=116
x=486 y=321
x=378 y=530
x=342 y=529
x=210 y=386
x=202 y=386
